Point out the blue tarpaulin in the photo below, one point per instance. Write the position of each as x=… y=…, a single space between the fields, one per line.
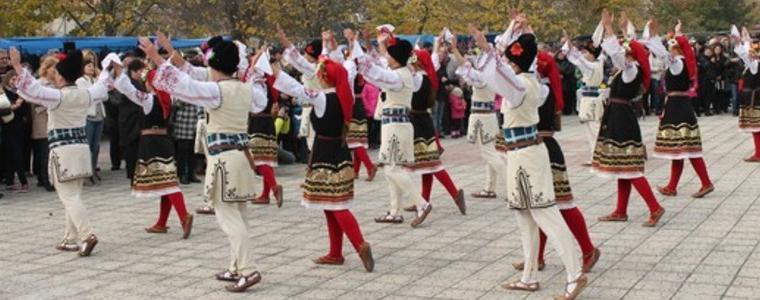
x=41 y=45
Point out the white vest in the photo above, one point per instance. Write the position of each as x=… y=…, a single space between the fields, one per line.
x=526 y=114
x=401 y=98
x=71 y=112
x=483 y=94
x=596 y=77
x=232 y=115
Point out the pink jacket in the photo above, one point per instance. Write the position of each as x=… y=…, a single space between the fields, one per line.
x=370 y=96
x=458 y=106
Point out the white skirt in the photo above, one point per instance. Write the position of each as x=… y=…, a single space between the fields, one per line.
x=482 y=128
x=529 y=178
x=397 y=144
x=70 y=162
x=231 y=172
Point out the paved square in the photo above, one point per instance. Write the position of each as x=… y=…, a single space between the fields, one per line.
x=703 y=249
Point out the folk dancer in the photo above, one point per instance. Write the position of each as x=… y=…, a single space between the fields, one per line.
x=529 y=177
x=678 y=135
x=749 y=112
x=156 y=170
x=397 y=132
x=590 y=61
x=329 y=182
x=619 y=152
x=483 y=125
x=427 y=155
x=549 y=122
x=229 y=171
x=69 y=157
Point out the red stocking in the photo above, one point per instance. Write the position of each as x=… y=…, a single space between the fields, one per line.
x=756 y=138
x=444 y=178
x=269 y=180
x=350 y=227
x=178 y=201
x=701 y=168
x=541 y=246
x=357 y=166
x=676 y=168
x=363 y=156
x=335 y=234
x=577 y=224
x=427 y=185
x=163 y=213
x=642 y=186
x=624 y=192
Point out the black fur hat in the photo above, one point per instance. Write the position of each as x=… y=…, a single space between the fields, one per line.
x=400 y=50
x=212 y=42
x=224 y=58
x=72 y=66
x=523 y=51
x=314 y=49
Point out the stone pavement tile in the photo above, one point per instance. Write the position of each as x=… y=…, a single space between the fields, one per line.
x=320 y=294
x=623 y=279
x=744 y=292
x=649 y=295
x=597 y=292
x=747 y=281
x=460 y=294
x=712 y=278
x=682 y=295
x=704 y=289
x=352 y=295
x=649 y=284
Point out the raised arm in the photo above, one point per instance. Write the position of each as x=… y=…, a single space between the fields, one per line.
x=295 y=59
x=383 y=78
x=125 y=86
x=501 y=78
x=497 y=74
x=742 y=48
x=465 y=70
x=186 y=89
x=292 y=87
x=259 y=101
x=33 y=91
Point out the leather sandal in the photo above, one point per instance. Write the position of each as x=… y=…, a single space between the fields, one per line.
x=654 y=218
x=521 y=286
x=371 y=174
x=590 y=260
x=459 y=201
x=327 y=260
x=410 y=208
x=613 y=218
x=244 y=283
x=156 y=229
x=278 y=195
x=88 y=245
x=388 y=218
x=205 y=210
x=521 y=265
x=187 y=226
x=484 y=194
x=421 y=218
x=365 y=253
x=65 y=245
x=227 y=276
x=580 y=284
x=704 y=191
x=667 y=191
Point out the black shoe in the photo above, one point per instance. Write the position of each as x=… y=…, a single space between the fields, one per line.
x=195 y=180
x=184 y=181
x=49 y=188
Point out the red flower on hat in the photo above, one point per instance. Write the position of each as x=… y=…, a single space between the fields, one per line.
x=516 y=49
x=392 y=41
x=309 y=49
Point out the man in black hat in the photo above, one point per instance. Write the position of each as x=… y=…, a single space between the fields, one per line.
x=70 y=162
x=530 y=188
x=590 y=97
x=397 y=133
x=229 y=173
